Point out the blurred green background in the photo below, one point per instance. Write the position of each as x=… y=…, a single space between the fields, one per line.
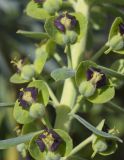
x=12 y=18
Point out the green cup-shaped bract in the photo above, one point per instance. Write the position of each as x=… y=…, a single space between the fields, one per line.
x=51 y=6
x=104 y=146
x=98 y=95
x=63 y=150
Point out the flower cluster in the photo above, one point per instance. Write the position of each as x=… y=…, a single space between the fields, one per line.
x=49 y=139
x=65 y=22
x=27 y=96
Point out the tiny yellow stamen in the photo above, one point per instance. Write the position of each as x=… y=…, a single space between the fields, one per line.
x=49 y=140
x=66 y=22
x=96 y=77
x=27 y=96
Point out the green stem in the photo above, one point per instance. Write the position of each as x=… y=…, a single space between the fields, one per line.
x=69 y=90
x=11 y=104
x=116 y=106
x=77 y=106
x=99 y=53
x=80 y=146
x=52 y=96
x=46 y=121
x=69 y=58
x=111 y=72
x=58 y=59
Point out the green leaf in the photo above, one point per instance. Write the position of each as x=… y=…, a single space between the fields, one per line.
x=52 y=6
x=34 y=35
x=33 y=10
x=114 y=28
x=43 y=91
x=103 y=94
x=62 y=118
x=82 y=25
x=112 y=72
x=21 y=115
x=63 y=150
x=118 y=66
x=5 y=144
x=8 y=104
x=40 y=60
x=95 y=130
x=17 y=79
x=62 y=74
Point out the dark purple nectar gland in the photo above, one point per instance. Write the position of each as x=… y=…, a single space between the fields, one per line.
x=96 y=77
x=65 y=22
x=49 y=140
x=121 y=28
x=27 y=96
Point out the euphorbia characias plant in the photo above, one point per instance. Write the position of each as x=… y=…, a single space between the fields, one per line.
x=66 y=24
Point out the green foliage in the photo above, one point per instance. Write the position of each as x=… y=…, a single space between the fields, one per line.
x=62 y=74
x=34 y=11
x=64 y=148
x=65 y=84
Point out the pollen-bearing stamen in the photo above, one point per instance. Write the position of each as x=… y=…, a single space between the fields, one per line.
x=96 y=77
x=65 y=22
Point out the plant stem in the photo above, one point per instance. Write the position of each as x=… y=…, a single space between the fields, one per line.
x=112 y=72
x=76 y=107
x=80 y=146
x=69 y=58
x=46 y=121
x=52 y=96
x=11 y=104
x=116 y=106
x=69 y=90
x=58 y=59
x=99 y=53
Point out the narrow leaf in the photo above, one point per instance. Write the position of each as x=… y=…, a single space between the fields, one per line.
x=34 y=35
x=4 y=144
x=112 y=72
x=62 y=74
x=11 y=104
x=95 y=130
